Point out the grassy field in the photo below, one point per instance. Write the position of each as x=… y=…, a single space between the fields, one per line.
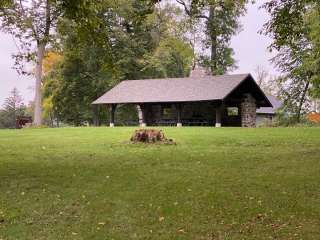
x=228 y=183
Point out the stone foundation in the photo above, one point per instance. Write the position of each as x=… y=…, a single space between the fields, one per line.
x=248 y=111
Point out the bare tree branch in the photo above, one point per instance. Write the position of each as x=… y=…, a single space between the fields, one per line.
x=189 y=11
x=33 y=28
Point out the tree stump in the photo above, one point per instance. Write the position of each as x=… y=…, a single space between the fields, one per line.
x=149 y=136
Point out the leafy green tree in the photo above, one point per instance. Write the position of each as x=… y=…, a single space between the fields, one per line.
x=93 y=63
x=5 y=3
x=32 y=23
x=172 y=58
x=292 y=40
x=313 y=20
x=12 y=108
x=221 y=20
x=173 y=53
x=51 y=70
x=131 y=42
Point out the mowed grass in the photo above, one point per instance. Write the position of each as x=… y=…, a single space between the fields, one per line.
x=228 y=183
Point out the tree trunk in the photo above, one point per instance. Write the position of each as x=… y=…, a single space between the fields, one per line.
x=302 y=100
x=213 y=39
x=38 y=96
x=14 y=120
x=51 y=119
x=58 y=125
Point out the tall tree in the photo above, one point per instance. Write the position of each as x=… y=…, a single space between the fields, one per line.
x=221 y=18
x=32 y=24
x=108 y=45
x=51 y=74
x=112 y=42
x=313 y=20
x=173 y=53
x=292 y=40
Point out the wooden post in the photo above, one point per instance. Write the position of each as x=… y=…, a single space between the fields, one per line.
x=112 y=112
x=96 y=120
x=144 y=115
x=179 y=114
x=218 y=115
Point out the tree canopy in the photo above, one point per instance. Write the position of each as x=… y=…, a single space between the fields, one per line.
x=32 y=24
x=293 y=27
x=221 y=22
x=82 y=48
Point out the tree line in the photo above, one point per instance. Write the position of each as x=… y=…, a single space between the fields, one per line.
x=82 y=48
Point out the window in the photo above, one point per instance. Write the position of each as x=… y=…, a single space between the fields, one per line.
x=233 y=111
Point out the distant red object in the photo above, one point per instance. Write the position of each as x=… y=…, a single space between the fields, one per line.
x=22 y=121
x=314 y=117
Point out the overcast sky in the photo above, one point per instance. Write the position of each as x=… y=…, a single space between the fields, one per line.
x=249 y=46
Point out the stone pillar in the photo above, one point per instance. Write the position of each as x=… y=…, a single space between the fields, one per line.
x=112 y=112
x=218 y=115
x=248 y=111
x=179 y=114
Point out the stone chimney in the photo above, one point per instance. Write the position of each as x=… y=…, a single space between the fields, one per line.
x=199 y=72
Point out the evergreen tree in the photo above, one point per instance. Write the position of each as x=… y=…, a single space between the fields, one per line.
x=13 y=107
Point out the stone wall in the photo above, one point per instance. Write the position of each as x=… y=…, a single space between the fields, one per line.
x=248 y=111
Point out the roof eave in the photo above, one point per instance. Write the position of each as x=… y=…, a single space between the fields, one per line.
x=170 y=101
x=249 y=76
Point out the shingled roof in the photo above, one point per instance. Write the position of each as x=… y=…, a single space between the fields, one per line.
x=190 y=89
x=276 y=104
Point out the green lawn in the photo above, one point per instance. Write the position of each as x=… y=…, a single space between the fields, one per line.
x=228 y=183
